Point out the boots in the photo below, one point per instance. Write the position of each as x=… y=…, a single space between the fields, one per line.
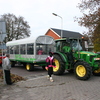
x=51 y=80
x=48 y=77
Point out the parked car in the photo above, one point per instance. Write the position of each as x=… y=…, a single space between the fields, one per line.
x=1 y=57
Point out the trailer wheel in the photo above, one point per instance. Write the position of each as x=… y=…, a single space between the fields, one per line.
x=96 y=72
x=29 y=67
x=59 y=69
x=82 y=70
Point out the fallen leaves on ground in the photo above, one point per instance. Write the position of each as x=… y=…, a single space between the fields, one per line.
x=14 y=77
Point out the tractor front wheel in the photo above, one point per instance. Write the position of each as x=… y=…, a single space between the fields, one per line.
x=82 y=70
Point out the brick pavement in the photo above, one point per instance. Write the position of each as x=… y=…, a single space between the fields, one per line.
x=65 y=87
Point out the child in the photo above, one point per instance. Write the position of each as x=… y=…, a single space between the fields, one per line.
x=50 y=65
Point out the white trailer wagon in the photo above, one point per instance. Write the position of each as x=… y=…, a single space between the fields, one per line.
x=30 y=51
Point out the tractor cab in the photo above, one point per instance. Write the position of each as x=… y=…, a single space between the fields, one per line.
x=69 y=44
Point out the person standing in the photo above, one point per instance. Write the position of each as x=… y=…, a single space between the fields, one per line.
x=7 y=66
x=50 y=65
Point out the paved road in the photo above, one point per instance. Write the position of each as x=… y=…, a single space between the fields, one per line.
x=37 y=87
x=21 y=71
x=65 y=87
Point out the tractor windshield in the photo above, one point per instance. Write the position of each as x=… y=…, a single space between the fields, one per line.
x=61 y=44
x=76 y=45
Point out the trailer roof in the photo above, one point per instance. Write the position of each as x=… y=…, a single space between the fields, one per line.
x=21 y=41
x=44 y=39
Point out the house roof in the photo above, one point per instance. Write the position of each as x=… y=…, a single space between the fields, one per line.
x=66 y=33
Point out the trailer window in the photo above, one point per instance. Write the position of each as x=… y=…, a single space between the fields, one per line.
x=11 y=49
x=23 y=49
x=44 y=49
x=39 y=49
x=16 y=49
x=30 y=49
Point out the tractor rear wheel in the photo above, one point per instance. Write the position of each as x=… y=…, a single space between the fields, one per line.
x=82 y=70
x=59 y=69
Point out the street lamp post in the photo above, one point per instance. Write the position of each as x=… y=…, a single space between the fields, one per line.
x=2 y=56
x=61 y=23
x=2 y=37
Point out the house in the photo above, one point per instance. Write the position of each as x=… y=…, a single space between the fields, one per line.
x=56 y=33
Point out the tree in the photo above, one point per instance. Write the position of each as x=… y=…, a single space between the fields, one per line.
x=96 y=38
x=91 y=20
x=16 y=27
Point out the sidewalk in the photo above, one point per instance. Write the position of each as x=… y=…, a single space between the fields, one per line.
x=65 y=87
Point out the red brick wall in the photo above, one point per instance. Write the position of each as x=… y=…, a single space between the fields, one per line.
x=52 y=34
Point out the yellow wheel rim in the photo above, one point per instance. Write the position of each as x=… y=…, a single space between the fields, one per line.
x=28 y=67
x=57 y=65
x=80 y=70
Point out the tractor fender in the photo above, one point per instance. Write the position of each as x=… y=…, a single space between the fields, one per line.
x=79 y=60
x=62 y=56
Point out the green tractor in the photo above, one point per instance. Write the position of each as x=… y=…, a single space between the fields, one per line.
x=70 y=56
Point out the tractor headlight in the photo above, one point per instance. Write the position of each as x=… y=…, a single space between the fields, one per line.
x=96 y=58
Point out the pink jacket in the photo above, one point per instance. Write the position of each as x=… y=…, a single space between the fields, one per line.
x=50 y=62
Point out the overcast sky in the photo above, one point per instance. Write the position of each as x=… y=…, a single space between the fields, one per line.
x=38 y=14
